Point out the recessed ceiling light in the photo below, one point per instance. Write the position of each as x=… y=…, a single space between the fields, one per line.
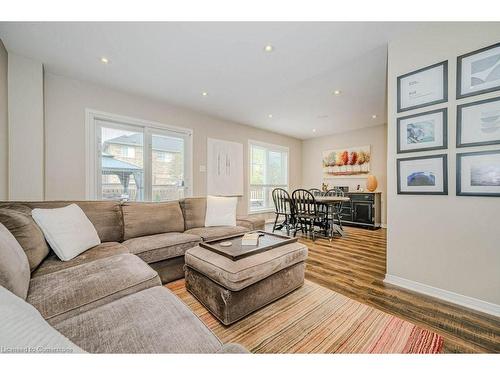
x=270 y=115
x=337 y=92
x=314 y=130
x=269 y=48
x=204 y=93
x=374 y=116
x=104 y=60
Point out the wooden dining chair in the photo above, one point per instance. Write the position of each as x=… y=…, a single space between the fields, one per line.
x=283 y=206
x=306 y=211
x=337 y=210
x=316 y=192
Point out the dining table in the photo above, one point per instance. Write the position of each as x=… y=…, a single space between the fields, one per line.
x=330 y=202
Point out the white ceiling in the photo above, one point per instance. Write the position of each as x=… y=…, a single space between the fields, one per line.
x=176 y=62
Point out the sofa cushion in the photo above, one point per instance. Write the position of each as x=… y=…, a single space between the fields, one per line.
x=251 y=222
x=151 y=321
x=210 y=233
x=27 y=233
x=144 y=219
x=106 y=216
x=53 y=264
x=236 y=275
x=23 y=328
x=14 y=266
x=194 y=210
x=63 y=294
x=163 y=246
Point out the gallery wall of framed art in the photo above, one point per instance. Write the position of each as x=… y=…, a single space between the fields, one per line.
x=435 y=239
x=477 y=125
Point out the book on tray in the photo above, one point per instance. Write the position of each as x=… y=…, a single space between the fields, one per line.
x=250 y=239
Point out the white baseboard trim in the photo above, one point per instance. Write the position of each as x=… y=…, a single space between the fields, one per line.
x=384 y=226
x=459 y=299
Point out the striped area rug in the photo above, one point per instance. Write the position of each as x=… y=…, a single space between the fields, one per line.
x=314 y=319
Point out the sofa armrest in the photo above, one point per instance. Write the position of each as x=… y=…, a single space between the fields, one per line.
x=250 y=222
x=232 y=349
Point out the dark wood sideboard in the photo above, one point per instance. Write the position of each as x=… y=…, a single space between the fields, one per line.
x=364 y=209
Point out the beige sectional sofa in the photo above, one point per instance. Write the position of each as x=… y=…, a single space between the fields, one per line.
x=109 y=299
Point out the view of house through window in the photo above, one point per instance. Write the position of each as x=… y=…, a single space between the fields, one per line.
x=140 y=163
x=122 y=169
x=268 y=170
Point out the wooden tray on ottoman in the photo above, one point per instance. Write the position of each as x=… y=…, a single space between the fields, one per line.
x=238 y=251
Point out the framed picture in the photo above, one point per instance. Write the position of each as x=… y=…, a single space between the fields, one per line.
x=423 y=132
x=347 y=162
x=224 y=167
x=423 y=175
x=478 y=72
x=423 y=87
x=478 y=173
x=478 y=123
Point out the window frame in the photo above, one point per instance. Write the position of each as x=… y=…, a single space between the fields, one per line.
x=148 y=128
x=268 y=147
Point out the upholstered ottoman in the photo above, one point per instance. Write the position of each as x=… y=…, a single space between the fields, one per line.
x=231 y=290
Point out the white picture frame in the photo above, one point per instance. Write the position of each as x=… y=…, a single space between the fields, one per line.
x=224 y=168
x=423 y=87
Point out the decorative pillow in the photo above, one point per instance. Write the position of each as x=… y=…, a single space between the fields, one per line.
x=27 y=233
x=25 y=331
x=67 y=230
x=14 y=267
x=221 y=211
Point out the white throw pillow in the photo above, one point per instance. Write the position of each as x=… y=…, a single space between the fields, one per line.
x=221 y=211
x=67 y=230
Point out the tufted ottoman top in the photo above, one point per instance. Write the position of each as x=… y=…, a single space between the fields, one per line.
x=236 y=275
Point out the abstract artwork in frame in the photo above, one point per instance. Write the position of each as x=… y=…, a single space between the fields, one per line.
x=224 y=168
x=423 y=132
x=347 y=162
x=478 y=72
x=426 y=175
x=423 y=87
x=478 y=123
x=478 y=173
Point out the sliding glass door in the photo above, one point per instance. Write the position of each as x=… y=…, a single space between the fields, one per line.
x=168 y=166
x=141 y=163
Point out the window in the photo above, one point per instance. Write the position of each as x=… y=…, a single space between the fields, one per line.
x=268 y=170
x=128 y=151
x=164 y=156
x=135 y=160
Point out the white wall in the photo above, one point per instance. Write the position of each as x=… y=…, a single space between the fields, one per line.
x=26 y=142
x=446 y=242
x=4 y=134
x=312 y=149
x=65 y=104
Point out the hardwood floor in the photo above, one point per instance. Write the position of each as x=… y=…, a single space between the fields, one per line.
x=355 y=267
